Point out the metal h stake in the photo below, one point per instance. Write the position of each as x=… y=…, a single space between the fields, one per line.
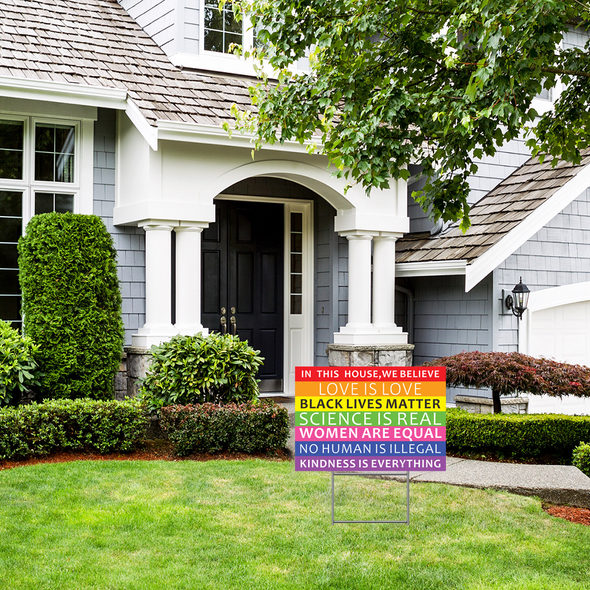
x=407 y=521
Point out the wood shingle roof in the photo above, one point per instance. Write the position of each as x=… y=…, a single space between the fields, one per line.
x=96 y=43
x=494 y=216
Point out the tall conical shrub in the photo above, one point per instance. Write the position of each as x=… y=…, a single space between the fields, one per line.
x=72 y=304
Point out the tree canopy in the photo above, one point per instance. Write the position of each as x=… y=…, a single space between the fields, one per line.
x=440 y=83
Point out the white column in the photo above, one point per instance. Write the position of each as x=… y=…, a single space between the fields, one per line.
x=158 y=286
x=383 y=281
x=359 y=281
x=188 y=278
x=360 y=330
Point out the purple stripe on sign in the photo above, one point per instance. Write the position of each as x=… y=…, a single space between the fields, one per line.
x=380 y=464
x=370 y=434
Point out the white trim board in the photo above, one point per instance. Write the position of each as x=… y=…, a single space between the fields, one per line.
x=527 y=228
x=48 y=90
x=212 y=134
x=431 y=268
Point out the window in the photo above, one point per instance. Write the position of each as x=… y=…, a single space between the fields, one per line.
x=38 y=174
x=54 y=153
x=296 y=263
x=222 y=28
x=11 y=149
x=10 y=231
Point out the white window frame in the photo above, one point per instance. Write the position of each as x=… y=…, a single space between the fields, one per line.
x=247 y=36
x=81 y=188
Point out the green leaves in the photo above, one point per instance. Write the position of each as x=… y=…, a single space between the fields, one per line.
x=199 y=369
x=40 y=429
x=395 y=83
x=211 y=428
x=72 y=304
x=19 y=371
x=581 y=457
x=517 y=435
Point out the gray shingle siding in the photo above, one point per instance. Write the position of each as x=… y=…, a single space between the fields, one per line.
x=558 y=254
x=575 y=38
x=157 y=19
x=129 y=241
x=326 y=269
x=492 y=170
x=190 y=32
x=173 y=24
x=446 y=319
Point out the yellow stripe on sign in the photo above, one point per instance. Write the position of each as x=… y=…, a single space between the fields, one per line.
x=374 y=404
x=371 y=389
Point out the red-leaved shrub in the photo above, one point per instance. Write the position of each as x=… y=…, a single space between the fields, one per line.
x=510 y=372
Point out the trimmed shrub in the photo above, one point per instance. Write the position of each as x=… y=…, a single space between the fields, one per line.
x=211 y=428
x=582 y=458
x=516 y=435
x=510 y=372
x=200 y=369
x=19 y=372
x=72 y=304
x=57 y=425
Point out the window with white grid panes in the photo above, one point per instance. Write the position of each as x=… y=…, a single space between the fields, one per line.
x=296 y=279
x=221 y=27
x=38 y=160
x=11 y=223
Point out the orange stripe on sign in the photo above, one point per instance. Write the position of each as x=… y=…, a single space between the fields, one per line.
x=370 y=389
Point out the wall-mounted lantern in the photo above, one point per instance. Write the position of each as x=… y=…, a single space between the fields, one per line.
x=519 y=300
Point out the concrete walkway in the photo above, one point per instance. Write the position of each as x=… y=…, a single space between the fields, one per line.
x=560 y=484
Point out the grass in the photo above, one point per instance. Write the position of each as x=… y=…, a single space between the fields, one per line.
x=259 y=525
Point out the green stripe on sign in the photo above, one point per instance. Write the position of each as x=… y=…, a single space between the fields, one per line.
x=403 y=418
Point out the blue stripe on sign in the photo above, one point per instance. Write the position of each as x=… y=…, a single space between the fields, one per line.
x=365 y=449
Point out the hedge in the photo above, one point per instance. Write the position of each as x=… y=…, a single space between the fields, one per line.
x=58 y=425
x=200 y=369
x=211 y=428
x=582 y=458
x=72 y=304
x=516 y=435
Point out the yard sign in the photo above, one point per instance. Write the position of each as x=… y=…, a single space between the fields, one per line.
x=370 y=419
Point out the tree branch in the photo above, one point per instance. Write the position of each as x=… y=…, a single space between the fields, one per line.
x=564 y=71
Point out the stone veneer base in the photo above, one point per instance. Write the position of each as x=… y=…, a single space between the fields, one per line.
x=377 y=355
x=485 y=405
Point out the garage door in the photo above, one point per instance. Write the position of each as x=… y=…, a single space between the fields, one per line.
x=560 y=332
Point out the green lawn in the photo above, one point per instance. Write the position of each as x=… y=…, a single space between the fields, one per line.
x=256 y=525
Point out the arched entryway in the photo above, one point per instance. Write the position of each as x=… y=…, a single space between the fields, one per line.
x=257 y=274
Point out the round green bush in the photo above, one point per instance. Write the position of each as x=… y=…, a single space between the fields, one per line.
x=19 y=371
x=199 y=369
x=72 y=304
x=581 y=457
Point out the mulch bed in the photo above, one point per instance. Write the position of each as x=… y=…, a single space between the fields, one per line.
x=153 y=450
x=577 y=515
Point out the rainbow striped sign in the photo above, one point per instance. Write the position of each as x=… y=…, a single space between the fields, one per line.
x=370 y=419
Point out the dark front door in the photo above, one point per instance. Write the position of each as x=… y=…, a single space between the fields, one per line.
x=243 y=280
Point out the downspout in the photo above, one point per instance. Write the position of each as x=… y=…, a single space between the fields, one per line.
x=409 y=311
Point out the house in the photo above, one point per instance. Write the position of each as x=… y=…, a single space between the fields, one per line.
x=115 y=108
